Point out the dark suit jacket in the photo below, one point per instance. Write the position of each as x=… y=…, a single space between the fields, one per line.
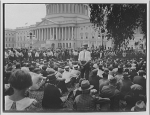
x=51 y=98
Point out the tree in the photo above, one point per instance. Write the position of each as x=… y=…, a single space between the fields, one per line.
x=120 y=20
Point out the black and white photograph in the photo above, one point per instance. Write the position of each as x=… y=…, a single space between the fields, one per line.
x=75 y=57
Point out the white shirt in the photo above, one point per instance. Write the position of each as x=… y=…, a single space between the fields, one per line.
x=87 y=56
x=11 y=53
x=36 y=80
x=75 y=53
x=6 y=55
x=67 y=76
x=100 y=73
x=29 y=54
x=36 y=54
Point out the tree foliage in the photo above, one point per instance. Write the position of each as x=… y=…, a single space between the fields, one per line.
x=121 y=20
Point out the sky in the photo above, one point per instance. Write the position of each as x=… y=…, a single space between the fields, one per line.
x=19 y=15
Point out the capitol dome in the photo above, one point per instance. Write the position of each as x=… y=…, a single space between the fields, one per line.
x=57 y=11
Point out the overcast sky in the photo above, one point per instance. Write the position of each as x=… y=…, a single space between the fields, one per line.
x=17 y=15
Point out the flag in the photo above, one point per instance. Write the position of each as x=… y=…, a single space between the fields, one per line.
x=26 y=23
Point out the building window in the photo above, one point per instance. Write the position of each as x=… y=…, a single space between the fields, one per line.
x=70 y=45
x=81 y=35
x=66 y=45
x=86 y=34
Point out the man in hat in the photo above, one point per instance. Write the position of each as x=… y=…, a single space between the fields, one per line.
x=84 y=61
x=139 y=79
x=110 y=90
x=85 y=101
x=52 y=94
x=76 y=71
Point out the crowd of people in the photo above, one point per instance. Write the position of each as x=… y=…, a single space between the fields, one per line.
x=92 y=79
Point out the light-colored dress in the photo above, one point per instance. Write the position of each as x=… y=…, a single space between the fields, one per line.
x=25 y=104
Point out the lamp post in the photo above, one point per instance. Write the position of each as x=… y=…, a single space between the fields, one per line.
x=31 y=39
x=102 y=31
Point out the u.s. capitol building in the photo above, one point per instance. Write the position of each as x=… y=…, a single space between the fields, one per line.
x=65 y=26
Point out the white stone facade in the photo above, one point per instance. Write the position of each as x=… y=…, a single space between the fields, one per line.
x=9 y=38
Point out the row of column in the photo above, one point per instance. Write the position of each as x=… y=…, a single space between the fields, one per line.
x=67 y=8
x=54 y=33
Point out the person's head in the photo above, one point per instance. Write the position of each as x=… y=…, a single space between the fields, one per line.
x=120 y=70
x=113 y=81
x=141 y=72
x=44 y=67
x=126 y=70
x=106 y=71
x=80 y=81
x=37 y=70
x=100 y=66
x=85 y=46
x=105 y=76
x=51 y=78
x=20 y=80
x=67 y=68
x=18 y=66
x=85 y=86
x=126 y=76
x=75 y=67
x=31 y=68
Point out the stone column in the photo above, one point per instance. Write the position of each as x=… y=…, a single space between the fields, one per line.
x=59 y=35
x=69 y=32
x=53 y=32
x=56 y=33
x=37 y=35
x=65 y=33
x=42 y=34
x=49 y=33
x=72 y=32
x=62 y=34
x=46 y=33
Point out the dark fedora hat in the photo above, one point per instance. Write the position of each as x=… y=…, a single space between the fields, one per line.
x=85 y=85
x=51 y=78
x=51 y=72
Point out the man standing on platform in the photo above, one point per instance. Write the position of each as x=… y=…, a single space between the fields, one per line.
x=84 y=61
